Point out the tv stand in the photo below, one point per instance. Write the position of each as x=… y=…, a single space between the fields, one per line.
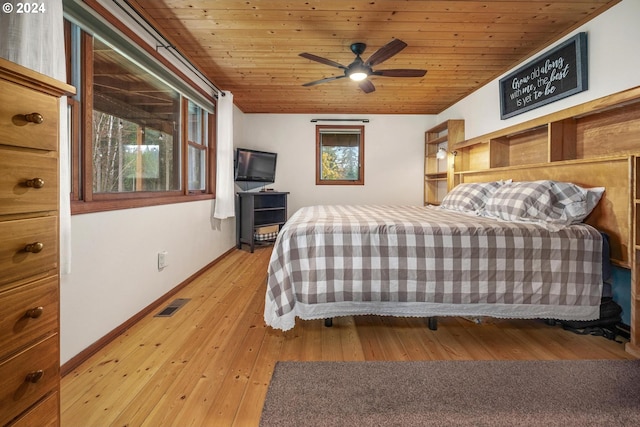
x=255 y=210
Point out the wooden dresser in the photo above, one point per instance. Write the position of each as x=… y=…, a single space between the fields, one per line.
x=29 y=255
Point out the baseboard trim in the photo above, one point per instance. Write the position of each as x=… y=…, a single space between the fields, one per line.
x=85 y=354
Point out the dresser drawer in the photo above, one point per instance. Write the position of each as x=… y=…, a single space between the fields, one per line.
x=20 y=236
x=28 y=182
x=44 y=414
x=28 y=312
x=15 y=129
x=27 y=377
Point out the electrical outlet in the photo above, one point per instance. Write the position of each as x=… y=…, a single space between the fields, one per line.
x=162 y=260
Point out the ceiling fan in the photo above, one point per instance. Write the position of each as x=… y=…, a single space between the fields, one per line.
x=359 y=70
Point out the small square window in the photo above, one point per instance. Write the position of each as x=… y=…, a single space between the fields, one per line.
x=339 y=155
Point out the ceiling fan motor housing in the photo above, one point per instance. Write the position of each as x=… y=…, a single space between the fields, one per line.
x=358 y=48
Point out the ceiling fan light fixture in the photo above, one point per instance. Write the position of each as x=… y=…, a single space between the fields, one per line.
x=358 y=76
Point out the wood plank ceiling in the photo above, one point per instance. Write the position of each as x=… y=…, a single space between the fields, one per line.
x=251 y=47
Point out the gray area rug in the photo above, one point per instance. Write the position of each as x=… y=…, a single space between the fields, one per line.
x=454 y=393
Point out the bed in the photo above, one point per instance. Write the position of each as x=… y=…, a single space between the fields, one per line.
x=476 y=255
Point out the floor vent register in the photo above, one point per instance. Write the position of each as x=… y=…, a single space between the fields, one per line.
x=170 y=309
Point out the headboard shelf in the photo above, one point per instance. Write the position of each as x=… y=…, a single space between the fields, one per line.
x=611 y=102
x=595 y=144
x=507 y=169
x=612 y=215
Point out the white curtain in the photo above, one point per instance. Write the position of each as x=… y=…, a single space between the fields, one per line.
x=225 y=200
x=36 y=41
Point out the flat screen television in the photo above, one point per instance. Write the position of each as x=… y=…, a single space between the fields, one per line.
x=255 y=166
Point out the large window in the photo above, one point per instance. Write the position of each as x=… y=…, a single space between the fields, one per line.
x=339 y=155
x=135 y=143
x=138 y=141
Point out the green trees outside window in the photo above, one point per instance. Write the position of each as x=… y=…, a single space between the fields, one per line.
x=339 y=155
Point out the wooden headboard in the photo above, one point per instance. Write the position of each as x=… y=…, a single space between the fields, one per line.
x=613 y=213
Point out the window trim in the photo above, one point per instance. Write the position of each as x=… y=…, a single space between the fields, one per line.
x=360 y=180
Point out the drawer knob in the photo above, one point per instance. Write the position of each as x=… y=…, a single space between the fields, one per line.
x=34 y=248
x=34 y=313
x=35 y=376
x=34 y=118
x=35 y=183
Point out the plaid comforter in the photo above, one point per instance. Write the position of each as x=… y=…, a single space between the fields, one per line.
x=426 y=261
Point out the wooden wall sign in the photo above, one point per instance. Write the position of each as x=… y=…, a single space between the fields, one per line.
x=559 y=73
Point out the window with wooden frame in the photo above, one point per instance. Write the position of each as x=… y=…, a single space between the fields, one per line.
x=133 y=117
x=339 y=155
x=138 y=141
x=198 y=124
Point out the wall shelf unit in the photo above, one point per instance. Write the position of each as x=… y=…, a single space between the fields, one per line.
x=255 y=210
x=597 y=142
x=437 y=177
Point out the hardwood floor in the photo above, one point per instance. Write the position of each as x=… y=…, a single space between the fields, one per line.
x=211 y=362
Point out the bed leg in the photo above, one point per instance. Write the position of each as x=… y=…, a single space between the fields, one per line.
x=328 y=322
x=433 y=323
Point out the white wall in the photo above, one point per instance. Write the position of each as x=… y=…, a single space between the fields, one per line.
x=114 y=254
x=114 y=270
x=114 y=262
x=393 y=150
x=613 y=64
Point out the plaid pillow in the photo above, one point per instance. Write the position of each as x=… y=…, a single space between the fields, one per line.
x=554 y=202
x=469 y=197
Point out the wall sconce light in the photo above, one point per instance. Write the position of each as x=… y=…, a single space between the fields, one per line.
x=441 y=154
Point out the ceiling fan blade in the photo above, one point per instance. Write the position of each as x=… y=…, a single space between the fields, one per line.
x=386 y=52
x=328 y=79
x=400 y=73
x=367 y=86
x=322 y=60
